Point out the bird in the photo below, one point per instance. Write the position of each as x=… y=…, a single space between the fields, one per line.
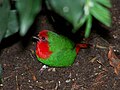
x=56 y=50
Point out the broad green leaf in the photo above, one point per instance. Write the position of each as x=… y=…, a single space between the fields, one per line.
x=106 y=3
x=27 y=9
x=4 y=16
x=101 y=13
x=88 y=26
x=12 y=24
x=69 y=9
x=80 y=23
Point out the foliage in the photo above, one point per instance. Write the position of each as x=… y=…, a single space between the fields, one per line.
x=77 y=13
x=27 y=13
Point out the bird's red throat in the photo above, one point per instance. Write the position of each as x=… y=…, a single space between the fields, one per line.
x=42 y=48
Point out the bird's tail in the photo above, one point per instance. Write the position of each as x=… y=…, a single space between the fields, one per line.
x=82 y=46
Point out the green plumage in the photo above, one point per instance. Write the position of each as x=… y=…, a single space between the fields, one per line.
x=64 y=52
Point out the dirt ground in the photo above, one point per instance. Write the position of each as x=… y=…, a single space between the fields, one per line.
x=90 y=71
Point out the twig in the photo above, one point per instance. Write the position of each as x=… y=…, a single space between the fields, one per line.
x=16 y=78
x=93 y=59
x=102 y=65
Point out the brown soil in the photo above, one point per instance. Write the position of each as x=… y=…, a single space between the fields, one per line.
x=91 y=70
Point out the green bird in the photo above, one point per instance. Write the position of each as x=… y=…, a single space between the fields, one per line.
x=56 y=50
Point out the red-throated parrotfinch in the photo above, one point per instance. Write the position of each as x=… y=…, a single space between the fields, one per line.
x=56 y=50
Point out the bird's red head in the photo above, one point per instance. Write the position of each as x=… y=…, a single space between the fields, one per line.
x=43 y=35
x=42 y=49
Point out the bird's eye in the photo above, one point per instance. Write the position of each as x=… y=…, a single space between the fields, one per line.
x=43 y=38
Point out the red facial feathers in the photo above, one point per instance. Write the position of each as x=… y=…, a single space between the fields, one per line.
x=42 y=49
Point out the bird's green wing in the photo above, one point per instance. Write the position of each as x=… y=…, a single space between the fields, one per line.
x=57 y=42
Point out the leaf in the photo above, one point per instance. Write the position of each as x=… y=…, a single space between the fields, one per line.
x=4 y=16
x=106 y=3
x=77 y=13
x=114 y=61
x=80 y=23
x=12 y=24
x=73 y=12
x=101 y=13
x=27 y=9
x=88 y=26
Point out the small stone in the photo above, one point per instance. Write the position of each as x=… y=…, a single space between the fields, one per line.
x=30 y=86
x=73 y=79
x=114 y=36
x=1 y=85
x=59 y=83
x=53 y=69
x=37 y=81
x=99 y=66
x=114 y=50
x=117 y=50
x=67 y=81
x=96 y=73
x=29 y=81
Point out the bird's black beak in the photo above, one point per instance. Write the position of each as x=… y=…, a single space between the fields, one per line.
x=36 y=38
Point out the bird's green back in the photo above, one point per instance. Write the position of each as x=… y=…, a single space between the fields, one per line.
x=59 y=42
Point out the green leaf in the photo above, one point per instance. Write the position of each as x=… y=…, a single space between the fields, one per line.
x=69 y=9
x=88 y=26
x=27 y=9
x=12 y=24
x=80 y=23
x=101 y=13
x=4 y=16
x=106 y=3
